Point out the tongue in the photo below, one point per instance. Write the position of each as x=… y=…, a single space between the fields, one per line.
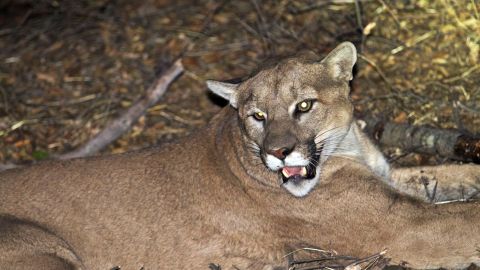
x=290 y=171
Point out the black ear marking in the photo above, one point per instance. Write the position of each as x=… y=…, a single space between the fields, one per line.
x=227 y=91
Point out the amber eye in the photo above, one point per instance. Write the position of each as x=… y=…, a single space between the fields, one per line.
x=304 y=106
x=260 y=116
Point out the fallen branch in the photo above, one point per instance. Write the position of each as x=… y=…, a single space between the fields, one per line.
x=8 y=166
x=119 y=126
x=449 y=143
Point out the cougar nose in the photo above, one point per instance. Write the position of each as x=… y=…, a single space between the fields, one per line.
x=280 y=153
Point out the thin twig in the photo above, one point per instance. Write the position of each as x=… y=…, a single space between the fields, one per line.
x=328 y=252
x=391 y=13
x=358 y=15
x=377 y=68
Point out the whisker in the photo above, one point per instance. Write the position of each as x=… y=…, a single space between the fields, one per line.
x=326 y=149
x=328 y=130
x=335 y=138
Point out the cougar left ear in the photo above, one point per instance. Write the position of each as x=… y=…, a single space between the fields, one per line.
x=227 y=91
x=341 y=60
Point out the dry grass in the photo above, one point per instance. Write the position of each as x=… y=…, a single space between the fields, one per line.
x=428 y=52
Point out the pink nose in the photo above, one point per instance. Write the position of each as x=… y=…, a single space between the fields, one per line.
x=280 y=153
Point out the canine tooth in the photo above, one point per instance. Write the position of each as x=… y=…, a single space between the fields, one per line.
x=304 y=171
x=284 y=172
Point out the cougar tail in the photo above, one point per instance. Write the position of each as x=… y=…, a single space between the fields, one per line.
x=26 y=245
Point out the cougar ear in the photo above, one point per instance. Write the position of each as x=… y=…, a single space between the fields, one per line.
x=340 y=61
x=227 y=91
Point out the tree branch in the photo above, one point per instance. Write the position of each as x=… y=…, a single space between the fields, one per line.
x=118 y=126
x=448 y=143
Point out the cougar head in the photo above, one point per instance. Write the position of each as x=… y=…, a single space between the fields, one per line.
x=295 y=114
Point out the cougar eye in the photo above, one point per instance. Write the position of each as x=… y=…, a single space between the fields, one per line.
x=304 y=106
x=259 y=116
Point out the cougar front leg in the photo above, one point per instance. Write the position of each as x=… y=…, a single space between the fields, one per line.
x=438 y=184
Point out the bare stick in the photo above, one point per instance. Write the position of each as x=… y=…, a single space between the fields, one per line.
x=118 y=126
x=7 y=166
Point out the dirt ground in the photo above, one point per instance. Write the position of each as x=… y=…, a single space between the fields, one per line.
x=68 y=67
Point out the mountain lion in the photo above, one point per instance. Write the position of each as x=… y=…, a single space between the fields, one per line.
x=284 y=167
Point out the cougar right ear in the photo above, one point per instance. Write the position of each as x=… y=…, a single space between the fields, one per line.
x=227 y=91
x=341 y=60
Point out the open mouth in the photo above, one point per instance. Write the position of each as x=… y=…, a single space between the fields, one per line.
x=296 y=174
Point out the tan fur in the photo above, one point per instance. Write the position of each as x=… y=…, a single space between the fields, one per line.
x=208 y=199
